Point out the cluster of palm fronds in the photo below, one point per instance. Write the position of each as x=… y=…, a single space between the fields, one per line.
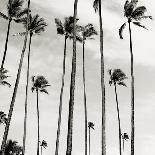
x=70 y=29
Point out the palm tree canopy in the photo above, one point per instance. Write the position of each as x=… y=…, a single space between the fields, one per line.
x=134 y=14
x=96 y=5
x=43 y=144
x=3 y=118
x=117 y=76
x=91 y=125
x=88 y=31
x=66 y=28
x=125 y=136
x=12 y=148
x=3 y=76
x=39 y=83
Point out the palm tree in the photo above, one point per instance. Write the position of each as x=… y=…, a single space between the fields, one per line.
x=43 y=145
x=90 y=126
x=65 y=29
x=14 y=12
x=134 y=15
x=36 y=27
x=12 y=148
x=39 y=85
x=16 y=85
x=97 y=6
x=3 y=77
x=72 y=86
x=117 y=77
x=87 y=32
x=3 y=118
x=125 y=137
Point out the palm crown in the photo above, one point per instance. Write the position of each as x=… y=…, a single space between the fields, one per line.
x=133 y=14
x=3 y=76
x=14 y=10
x=3 y=119
x=43 y=144
x=125 y=136
x=96 y=5
x=91 y=125
x=66 y=28
x=88 y=31
x=39 y=83
x=117 y=76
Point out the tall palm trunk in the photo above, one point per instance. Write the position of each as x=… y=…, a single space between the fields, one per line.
x=38 y=123
x=41 y=150
x=102 y=82
x=85 y=103
x=61 y=95
x=72 y=86
x=89 y=140
x=119 y=121
x=123 y=144
x=27 y=86
x=15 y=87
x=132 y=94
x=6 y=43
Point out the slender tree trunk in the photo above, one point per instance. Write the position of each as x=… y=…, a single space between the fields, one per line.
x=41 y=150
x=15 y=88
x=38 y=124
x=119 y=121
x=72 y=87
x=102 y=82
x=6 y=44
x=27 y=86
x=132 y=95
x=61 y=95
x=85 y=103
x=123 y=144
x=89 y=140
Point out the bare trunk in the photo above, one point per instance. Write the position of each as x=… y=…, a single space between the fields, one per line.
x=85 y=103
x=38 y=124
x=102 y=82
x=15 y=88
x=132 y=95
x=72 y=87
x=60 y=104
x=6 y=44
x=27 y=86
x=89 y=140
x=119 y=122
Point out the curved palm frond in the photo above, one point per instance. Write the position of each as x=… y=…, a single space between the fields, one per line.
x=139 y=24
x=3 y=16
x=3 y=77
x=129 y=7
x=60 y=28
x=3 y=118
x=96 y=5
x=121 y=30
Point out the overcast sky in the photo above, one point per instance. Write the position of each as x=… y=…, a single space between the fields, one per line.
x=46 y=59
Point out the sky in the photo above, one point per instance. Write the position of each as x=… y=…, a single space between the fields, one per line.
x=46 y=59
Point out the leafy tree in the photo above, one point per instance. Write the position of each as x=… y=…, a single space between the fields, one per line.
x=98 y=8
x=14 y=12
x=39 y=85
x=87 y=32
x=65 y=29
x=117 y=77
x=90 y=126
x=134 y=15
x=16 y=85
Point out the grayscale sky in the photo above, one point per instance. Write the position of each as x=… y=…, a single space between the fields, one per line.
x=46 y=59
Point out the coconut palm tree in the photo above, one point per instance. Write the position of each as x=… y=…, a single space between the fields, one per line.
x=134 y=15
x=125 y=137
x=14 y=12
x=3 y=118
x=90 y=126
x=65 y=29
x=3 y=77
x=117 y=77
x=39 y=85
x=87 y=32
x=36 y=27
x=16 y=84
x=72 y=85
x=43 y=145
x=98 y=8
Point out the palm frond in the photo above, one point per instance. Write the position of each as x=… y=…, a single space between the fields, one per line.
x=121 y=30
x=146 y=17
x=139 y=24
x=96 y=5
x=128 y=8
x=5 y=83
x=20 y=34
x=44 y=91
x=3 y=16
x=23 y=12
x=122 y=84
x=60 y=29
